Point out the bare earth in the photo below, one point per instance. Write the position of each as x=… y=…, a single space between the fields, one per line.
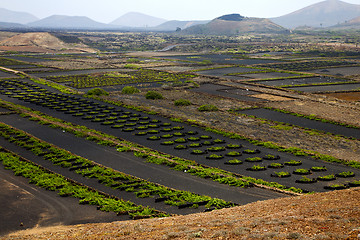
x=39 y=42
x=317 y=216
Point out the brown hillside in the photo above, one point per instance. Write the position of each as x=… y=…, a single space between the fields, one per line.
x=351 y=24
x=354 y=21
x=40 y=42
x=247 y=25
x=333 y=215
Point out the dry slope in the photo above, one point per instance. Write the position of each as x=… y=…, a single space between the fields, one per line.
x=333 y=215
x=40 y=42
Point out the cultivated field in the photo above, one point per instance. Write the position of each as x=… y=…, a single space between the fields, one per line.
x=263 y=138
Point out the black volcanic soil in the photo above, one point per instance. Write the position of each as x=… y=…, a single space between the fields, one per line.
x=24 y=206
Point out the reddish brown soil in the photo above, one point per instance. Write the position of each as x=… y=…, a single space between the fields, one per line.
x=348 y=96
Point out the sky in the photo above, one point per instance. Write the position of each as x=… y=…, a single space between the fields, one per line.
x=106 y=11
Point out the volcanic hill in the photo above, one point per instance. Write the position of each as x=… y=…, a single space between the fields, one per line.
x=236 y=24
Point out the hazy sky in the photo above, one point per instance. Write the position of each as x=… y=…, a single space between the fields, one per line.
x=108 y=10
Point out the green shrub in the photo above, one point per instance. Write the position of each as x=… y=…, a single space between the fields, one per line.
x=182 y=102
x=129 y=90
x=132 y=60
x=97 y=92
x=205 y=62
x=207 y=108
x=153 y=95
x=131 y=66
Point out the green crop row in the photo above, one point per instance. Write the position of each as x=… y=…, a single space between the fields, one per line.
x=108 y=79
x=106 y=176
x=8 y=62
x=308 y=65
x=154 y=156
x=44 y=178
x=315 y=84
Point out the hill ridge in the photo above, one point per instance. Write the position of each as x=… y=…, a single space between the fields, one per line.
x=136 y=19
x=236 y=24
x=323 y=14
x=10 y=16
x=69 y=22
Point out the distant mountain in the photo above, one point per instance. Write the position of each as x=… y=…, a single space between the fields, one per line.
x=235 y=24
x=323 y=14
x=134 y=19
x=173 y=25
x=12 y=26
x=16 y=17
x=68 y=22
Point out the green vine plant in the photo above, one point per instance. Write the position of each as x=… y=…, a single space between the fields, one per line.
x=44 y=178
x=87 y=168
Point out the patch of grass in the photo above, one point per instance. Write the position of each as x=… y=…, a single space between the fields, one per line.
x=318 y=169
x=327 y=177
x=293 y=163
x=281 y=174
x=257 y=168
x=234 y=162
x=182 y=102
x=153 y=95
x=346 y=174
x=302 y=171
x=130 y=90
x=254 y=159
x=97 y=92
x=276 y=165
x=208 y=108
x=282 y=127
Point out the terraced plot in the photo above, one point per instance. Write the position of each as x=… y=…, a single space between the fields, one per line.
x=177 y=139
x=29 y=59
x=75 y=72
x=220 y=59
x=227 y=71
x=339 y=71
x=4 y=74
x=309 y=65
x=302 y=81
x=348 y=96
x=303 y=122
x=106 y=180
x=137 y=166
x=267 y=75
x=139 y=76
x=36 y=206
x=9 y=62
x=23 y=66
x=242 y=73
x=328 y=88
x=225 y=91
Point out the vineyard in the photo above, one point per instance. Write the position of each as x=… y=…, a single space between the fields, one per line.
x=309 y=65
x=177 y=139
x=117 y=78
x=250 y=129
x=106 y=176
